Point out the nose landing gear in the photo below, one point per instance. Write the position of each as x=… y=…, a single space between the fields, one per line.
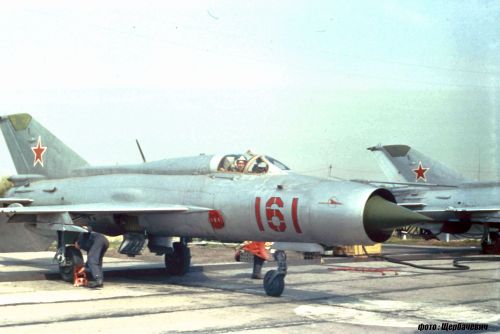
x=274 y=280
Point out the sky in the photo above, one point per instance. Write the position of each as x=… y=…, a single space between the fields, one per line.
x=312 y=84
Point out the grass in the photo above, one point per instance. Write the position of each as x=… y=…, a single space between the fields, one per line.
x=115 y=242
x=4 y=185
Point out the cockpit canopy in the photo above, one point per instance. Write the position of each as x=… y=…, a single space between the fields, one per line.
x=250 y=164
x=195 y=165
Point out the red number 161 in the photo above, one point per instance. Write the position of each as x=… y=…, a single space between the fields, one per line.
x=273 y=210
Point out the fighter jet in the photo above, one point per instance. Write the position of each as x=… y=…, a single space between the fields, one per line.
x=456 y=205
x=202 y=196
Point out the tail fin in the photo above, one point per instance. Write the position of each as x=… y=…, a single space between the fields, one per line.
x=401 y=163
x=35 y=150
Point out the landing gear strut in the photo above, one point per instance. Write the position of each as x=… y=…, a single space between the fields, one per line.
x=178 y=262
x=274 y=280
x=490 y=244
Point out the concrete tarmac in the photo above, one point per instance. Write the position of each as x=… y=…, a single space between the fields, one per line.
x=339 y=295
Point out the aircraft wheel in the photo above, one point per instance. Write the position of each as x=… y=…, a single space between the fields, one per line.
x=73 y=258
x=274 y=283
x=178 y=263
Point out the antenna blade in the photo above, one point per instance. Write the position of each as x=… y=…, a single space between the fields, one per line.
x=140 y=150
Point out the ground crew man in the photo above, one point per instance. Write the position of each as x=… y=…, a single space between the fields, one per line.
x=258 y=262
x=95 y=244
x=260 y=255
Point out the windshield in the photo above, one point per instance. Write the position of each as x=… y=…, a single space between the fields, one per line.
x=277 y=163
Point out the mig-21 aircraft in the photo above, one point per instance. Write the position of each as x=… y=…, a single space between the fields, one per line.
x=191 y=197
x=456 y=205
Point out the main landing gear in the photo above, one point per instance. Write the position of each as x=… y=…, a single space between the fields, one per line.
x=274 y=280
x=178 y=262
x=68 y=258
x=490 y=244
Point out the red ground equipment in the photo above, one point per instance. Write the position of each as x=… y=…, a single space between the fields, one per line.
x=79 y=276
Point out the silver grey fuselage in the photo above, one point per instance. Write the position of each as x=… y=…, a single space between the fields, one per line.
x=234 y=195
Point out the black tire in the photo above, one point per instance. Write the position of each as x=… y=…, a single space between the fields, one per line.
x=73 y=258
x=274 y=283
x=178 y=263
x=237 y=256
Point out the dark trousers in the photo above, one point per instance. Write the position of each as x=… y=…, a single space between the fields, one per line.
x=257 y=266
x=94 y=257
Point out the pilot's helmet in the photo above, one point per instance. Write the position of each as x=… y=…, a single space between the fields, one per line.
x=262 y=167
x=240 y=163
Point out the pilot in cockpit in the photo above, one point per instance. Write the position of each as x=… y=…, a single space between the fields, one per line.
x=261 y=167
x=241 y=162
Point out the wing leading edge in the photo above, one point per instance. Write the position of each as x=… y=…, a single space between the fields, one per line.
x=100 y=208
x=11 y=200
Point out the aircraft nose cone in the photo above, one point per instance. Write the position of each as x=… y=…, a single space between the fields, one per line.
x=381 y=217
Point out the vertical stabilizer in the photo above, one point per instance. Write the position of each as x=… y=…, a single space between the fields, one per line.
x=34 y=150
x=401 y=163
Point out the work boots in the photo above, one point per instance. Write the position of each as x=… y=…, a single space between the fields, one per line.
x=97 y=283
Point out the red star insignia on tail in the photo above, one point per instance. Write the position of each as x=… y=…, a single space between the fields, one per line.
x=38 y=151
x=420 y=172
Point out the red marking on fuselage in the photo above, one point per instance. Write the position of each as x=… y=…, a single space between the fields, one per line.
x=295 y=219
x=216 y=220
x=257 y=214
x=272 y=213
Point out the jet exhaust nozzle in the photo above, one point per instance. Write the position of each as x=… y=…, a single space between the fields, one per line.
x=381 y=217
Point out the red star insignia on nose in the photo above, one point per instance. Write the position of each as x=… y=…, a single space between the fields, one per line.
x=420 y=172
x=38 y=151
